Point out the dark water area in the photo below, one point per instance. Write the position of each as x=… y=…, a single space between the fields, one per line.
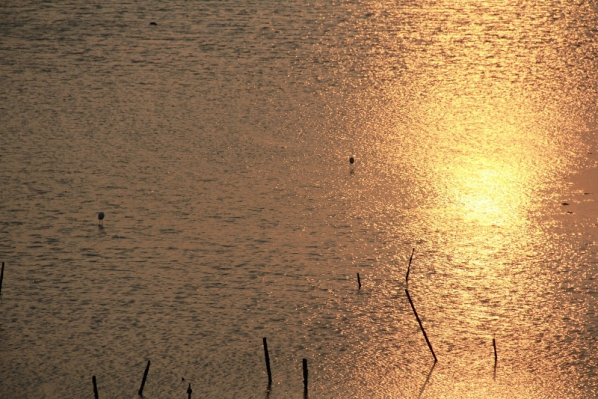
x=217 y=143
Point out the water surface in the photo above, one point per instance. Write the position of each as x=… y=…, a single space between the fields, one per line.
x=217 y=144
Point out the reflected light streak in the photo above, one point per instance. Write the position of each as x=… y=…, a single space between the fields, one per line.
x=480 y=133
x=490 y=173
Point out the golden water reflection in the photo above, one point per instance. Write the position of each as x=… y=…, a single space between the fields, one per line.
x=479 y=126
x=489 y=171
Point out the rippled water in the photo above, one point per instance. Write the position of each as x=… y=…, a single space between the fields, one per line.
x=217 y=144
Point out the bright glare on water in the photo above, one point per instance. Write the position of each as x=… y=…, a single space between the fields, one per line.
x=217 y=144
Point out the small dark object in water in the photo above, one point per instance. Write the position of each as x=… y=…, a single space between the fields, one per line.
x=153 y=23
x=1 y=277
x=495 y=356
x=189 y=391
x=95 y=387
x=565 y=203
x=305 y=374
x=101 y=218
x=144 y=379
x=358 y=282
x=420 y=325
x=267 y=356
x=351 y=160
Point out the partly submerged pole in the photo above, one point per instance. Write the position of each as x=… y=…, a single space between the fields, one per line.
x=267 y=356
x=409 y=267
x=189 y=391
x=358 y=282
x=495 y=356
x=95 y=387
x=305 y=375
x=1 y=277
x=420 y=325
x=144 y=378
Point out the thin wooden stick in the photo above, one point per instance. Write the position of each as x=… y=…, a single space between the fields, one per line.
x=1 y=277
x=421 y=326
x=495 y=356
x=144 y=378
x=267 y=356
x=95 y=387
x=305 y=375
x=358 y=281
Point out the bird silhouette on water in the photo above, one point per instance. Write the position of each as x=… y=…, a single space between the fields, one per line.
x=101 y=219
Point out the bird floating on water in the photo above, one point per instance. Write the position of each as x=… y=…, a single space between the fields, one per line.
x=101 y=218
x=351 y=160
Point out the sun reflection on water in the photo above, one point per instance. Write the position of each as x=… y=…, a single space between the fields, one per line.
x=490 y=172
x=477 y=129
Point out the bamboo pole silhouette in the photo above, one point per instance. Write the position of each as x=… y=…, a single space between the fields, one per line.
x=95 y=387
x=305 y=376
x=495 y=356
x=1 y=277
x=267 y=356
x=144 y=378
x=420 y=325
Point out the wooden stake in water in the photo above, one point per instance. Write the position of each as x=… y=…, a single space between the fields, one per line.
x=421 y=326
x=95 y=387
x=495 y=356
x=144 y=378
x=358 y=282
x=189 y=391
x=267 y=356
x=409 y=267
x=305 y=375
x=1 y=277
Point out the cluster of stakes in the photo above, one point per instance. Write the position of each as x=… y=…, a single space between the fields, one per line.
x=269 y=370
x=266 y=354
x=190 y=391
x=305 y=371
x=97 y=396
x=419 y=321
